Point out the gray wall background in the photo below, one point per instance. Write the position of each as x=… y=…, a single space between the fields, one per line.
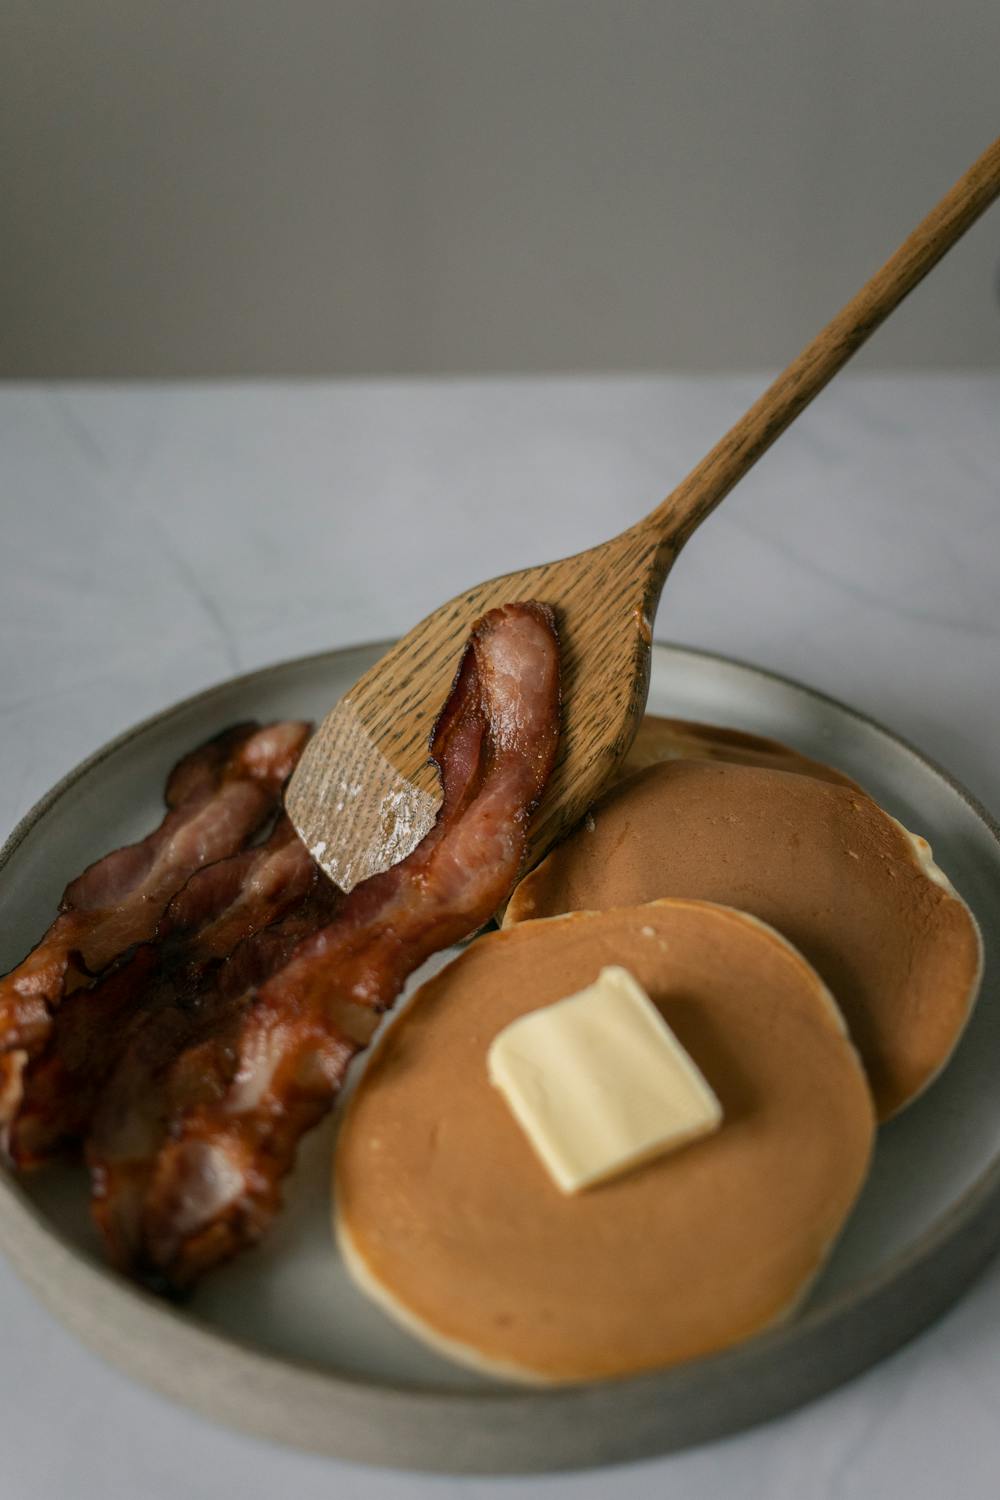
x=367 y=186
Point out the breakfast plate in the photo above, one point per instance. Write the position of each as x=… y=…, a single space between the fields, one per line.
x=281 y=1344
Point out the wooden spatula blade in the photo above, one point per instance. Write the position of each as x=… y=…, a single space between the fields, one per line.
x=356 y=812
x=365 y=793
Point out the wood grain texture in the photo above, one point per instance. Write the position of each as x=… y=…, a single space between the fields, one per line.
x=364 y=793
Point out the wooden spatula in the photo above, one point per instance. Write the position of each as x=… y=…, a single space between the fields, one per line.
x=364 y=792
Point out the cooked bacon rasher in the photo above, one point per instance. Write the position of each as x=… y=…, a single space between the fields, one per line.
x=173 y=1050
x=221 y=906
x=217 y=798
x=202 y=1118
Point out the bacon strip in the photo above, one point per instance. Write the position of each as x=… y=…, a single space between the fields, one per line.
x=217 y=798
x=201 y=1123
x=172 y=1054
x=221 y=906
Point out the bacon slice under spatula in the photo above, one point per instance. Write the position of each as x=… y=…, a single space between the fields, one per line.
x=201 y=1121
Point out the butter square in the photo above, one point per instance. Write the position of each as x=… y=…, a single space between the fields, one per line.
x=598 y=1082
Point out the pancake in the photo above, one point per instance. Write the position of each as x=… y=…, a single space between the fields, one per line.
x=448 y=1219
x=659 y=739
x=857 y=894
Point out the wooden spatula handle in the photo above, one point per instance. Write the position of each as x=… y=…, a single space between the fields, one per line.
x=712 y=479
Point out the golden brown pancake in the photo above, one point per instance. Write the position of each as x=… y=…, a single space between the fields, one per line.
x=659 y=739
x=449 y=1220
x=844 y=882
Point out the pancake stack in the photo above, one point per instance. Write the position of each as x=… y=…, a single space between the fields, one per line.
x=816 y=966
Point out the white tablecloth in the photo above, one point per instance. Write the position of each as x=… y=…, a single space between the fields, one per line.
x=157 y=539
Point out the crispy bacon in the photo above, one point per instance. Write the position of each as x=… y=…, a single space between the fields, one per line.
x=217 y=798
x=221 y=905
x=201 y=1122
x=172 y=1054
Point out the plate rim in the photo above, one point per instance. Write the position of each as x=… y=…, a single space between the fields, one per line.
x=975 y=1213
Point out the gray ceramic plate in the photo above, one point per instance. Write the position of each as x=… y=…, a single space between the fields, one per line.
x=281 y=1344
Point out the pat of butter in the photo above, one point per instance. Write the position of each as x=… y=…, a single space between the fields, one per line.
x=599 y=1083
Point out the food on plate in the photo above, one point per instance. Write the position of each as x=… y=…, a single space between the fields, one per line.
x=856 y=893
x=201 y=1120
x=222 y=907
x=546 y=1184
x=217 y=797
x=449 y=1220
